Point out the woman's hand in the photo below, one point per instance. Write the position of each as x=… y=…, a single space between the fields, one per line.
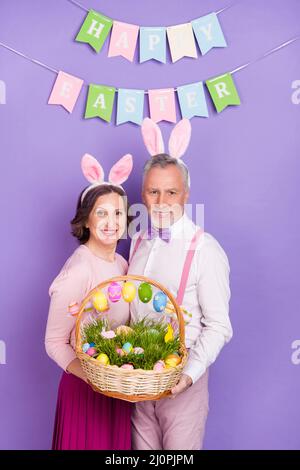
x=75 y=368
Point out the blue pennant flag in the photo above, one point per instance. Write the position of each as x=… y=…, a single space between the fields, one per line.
x=192 y=100
x=208 y=32
x=153 y=44
x=130 y=106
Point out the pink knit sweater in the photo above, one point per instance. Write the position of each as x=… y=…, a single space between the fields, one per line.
x=81 y=272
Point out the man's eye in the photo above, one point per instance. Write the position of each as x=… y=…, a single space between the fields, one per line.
x=172 y=193
x=119 y=212
x=153 y=192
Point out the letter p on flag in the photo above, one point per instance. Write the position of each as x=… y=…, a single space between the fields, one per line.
x=223 y=91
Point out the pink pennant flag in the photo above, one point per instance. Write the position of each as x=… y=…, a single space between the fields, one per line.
x=123 y=40
x=66 y=91
x=162 y=105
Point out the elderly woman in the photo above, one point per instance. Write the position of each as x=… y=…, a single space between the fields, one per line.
x=86 y=419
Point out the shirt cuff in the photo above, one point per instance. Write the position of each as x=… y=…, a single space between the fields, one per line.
x=194 y=369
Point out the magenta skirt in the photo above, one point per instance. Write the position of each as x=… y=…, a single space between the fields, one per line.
x=86 y=420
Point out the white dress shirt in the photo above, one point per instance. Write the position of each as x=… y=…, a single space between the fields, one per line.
x=207 y=292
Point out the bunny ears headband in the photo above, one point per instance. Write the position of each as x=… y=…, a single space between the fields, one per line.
x=94 y=172
x=178 y=142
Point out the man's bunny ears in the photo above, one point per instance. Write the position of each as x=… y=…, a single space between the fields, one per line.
x=94 y=172
x=178 y=142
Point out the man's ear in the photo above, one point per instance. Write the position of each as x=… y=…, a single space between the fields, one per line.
x=186 y=196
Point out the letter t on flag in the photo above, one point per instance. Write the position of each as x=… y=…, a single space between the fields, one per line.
x=223 y=92
x=95 y=30
x=66 y=91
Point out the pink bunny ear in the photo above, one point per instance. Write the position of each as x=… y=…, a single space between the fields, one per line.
x=121 y=170
x=180 y=138
x=152 y=137
x=92 y=169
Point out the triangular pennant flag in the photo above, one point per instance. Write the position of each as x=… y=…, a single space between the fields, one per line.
x=95 y=30
x=153 y=44
x=130 y=106
x=100 y=102
x=208 y=32
x=223 y=92
x=181 y=41
x=192 y=100
x=66 y=91
x=123 y=40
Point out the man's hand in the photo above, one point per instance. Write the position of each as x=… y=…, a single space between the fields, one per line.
x=184 y=383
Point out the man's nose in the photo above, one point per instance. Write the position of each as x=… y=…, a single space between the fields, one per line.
x=161 y=199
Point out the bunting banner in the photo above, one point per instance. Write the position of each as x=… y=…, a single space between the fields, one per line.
x=205 y=31
x=130 y=106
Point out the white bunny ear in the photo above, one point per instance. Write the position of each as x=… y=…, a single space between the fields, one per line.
x=152 y=137
x=121 y=170
x=180 y=138
x=92 y=169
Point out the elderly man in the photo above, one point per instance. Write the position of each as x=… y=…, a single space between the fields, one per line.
x=194 y=267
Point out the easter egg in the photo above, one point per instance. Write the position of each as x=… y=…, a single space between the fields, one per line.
x=138 y=350
x=88 y=307
x=114 y=292
x=124 y=330
x=159 y=366
x=86 y=347
x=127 y=366
x=120 y=352
x=128 y=291
x=127 y=347
x=103 y=359
x=160 y=301
x=92 y=345
x=100 y=301
x=91 y=351
x=145 y=292
x=172 y=360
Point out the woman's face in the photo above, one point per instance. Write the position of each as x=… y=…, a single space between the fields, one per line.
x=107 y=219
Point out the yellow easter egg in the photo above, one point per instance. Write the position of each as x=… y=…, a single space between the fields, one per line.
x=128 y=291
x=100 y=301
x=103 y=359
x=172 y=360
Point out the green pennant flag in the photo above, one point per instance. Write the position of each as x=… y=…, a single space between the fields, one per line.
x=223 y=92
x=100 y=102
x=95 y=30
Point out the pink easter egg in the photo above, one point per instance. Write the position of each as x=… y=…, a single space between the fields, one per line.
x=120 y=352
x=114 y=292
x=127 y=366
x=159 y=366
x=91 y=351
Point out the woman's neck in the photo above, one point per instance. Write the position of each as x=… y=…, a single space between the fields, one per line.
x=102 y=251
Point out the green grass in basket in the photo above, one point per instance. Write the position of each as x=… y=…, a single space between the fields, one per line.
x=147 y=334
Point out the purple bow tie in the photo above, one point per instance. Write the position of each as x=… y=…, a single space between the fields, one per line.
x=163 y=233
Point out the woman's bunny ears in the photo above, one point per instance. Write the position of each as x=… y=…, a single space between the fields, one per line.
x=94 y=172
x=178 y=142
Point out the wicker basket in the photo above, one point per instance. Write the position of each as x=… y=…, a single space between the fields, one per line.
x=130 y=385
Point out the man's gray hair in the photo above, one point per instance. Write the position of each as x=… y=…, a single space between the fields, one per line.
x=162 y=160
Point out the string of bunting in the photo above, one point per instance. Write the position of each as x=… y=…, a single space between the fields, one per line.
x=130 y=105
x=206 y=31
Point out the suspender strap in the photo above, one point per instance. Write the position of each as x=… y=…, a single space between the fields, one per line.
x=187 y=266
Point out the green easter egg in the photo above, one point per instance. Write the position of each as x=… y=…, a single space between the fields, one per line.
x=145 y=292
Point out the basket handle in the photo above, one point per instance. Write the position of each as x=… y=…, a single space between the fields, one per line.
x=134 y=277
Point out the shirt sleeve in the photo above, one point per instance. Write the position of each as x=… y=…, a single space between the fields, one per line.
x=213 y=293
x=69 y=286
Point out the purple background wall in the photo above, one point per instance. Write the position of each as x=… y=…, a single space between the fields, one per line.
x=245 y=168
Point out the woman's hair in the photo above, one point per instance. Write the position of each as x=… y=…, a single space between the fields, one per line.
x=84 y=208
